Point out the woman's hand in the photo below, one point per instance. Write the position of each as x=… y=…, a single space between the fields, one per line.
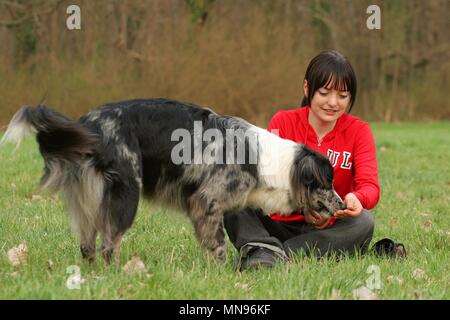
x=353 y=207
x=317 y=220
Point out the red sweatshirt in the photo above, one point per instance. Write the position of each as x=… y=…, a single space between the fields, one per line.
x=350 y=146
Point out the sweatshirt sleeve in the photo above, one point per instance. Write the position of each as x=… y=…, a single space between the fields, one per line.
x=366 y=187
x=277 y=123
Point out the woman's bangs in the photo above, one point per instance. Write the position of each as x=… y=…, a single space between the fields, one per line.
x=338 y=81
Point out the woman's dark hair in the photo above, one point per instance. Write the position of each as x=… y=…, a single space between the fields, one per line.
x=330 y=67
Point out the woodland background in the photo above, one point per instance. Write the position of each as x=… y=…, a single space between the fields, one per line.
x=239 y=57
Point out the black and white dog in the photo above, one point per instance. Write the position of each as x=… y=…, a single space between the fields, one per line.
x=104 y=161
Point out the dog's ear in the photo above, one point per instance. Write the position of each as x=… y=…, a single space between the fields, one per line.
x=316 y=170
x=301 y=179
x=309 y=172
x=300 y=194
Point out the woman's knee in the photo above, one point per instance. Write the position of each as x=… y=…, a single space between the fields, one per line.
x=237 y=217
x=362 y=226
x=359 y=236
x=363 y=222
x=366 y=224
x=367 y=220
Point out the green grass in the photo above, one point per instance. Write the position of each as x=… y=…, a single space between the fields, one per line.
x=414 y=209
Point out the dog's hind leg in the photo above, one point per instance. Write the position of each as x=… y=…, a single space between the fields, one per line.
x=84 y=215
x=86 y=232
x=121 y=211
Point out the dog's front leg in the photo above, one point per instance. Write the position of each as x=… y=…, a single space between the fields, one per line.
x=111 y=247
x=208 y=227
x=209 y=231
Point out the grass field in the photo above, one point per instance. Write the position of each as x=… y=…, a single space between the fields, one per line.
x=414 y=209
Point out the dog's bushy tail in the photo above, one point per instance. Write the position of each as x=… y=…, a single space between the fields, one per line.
x=57 y=135
x=63 y=143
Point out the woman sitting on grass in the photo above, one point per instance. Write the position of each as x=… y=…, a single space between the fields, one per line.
x=323 y=124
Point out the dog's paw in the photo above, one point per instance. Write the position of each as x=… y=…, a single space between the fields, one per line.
x=218 y=254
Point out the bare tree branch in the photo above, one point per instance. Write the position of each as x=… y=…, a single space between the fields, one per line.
x=31 y=14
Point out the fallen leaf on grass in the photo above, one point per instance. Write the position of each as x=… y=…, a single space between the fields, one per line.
x=394 y=279
x=135 y=265
x=36 y=197
x=18 y=255
x=442 y=233
x=394 y=221
x=179 y=273
x=427 y=225
x=424 y=214
x=400 y=195
x=364 y=293
x=419 y=274
x=418 y=295
x=241 y=285
x=335 y=294
x=50 y=265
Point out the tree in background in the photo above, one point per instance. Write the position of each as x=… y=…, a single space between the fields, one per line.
x=239 y=57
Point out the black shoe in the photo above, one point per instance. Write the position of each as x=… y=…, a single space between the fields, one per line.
x=254 y=257
x=388 y=248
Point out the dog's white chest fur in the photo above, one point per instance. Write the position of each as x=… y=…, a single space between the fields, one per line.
x=273 y=193
x=271 y=200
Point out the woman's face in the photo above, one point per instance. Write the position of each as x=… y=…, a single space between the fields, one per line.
x=328 y=104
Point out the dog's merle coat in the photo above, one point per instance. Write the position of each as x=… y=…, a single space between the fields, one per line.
x=103 y=162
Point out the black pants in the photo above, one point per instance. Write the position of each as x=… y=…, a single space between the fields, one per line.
x=347 y=235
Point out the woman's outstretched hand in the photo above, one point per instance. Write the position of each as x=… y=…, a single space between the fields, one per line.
x=317 y=220
x=353 y=207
